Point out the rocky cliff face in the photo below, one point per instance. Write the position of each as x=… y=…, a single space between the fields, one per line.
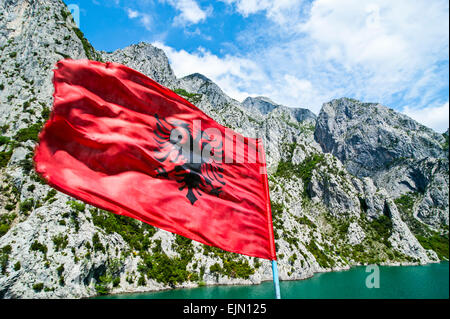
x=399 y=154
x=264 y=105
x=362 y=184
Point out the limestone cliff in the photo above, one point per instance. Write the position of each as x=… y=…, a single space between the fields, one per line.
x=358 y=184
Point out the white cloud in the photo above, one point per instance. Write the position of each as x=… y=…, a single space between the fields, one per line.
x=132 y=13
x=297 y=92
x=231 y=73
x=279 y=11
x=196 y=32
x=146 y=21
x=393 y=52
x=434 y=117
x=144 y=18
x=241 y=77
x=396 y=34
x=190 y=12
x=247 y=7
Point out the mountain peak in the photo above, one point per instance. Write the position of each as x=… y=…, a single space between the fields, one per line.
x=147 y=59
x=265 y=105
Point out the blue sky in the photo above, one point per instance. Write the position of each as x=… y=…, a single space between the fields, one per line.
x=298 y=53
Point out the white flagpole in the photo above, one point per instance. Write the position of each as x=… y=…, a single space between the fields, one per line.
x=261 y=153
x=276 y=281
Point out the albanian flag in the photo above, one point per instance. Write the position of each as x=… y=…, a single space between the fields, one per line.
x=122 y=142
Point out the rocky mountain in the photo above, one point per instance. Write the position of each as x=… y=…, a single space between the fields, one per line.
x=265 y=105
x=402 y=156
x=358 y=184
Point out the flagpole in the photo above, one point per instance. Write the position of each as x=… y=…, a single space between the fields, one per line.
x=276 y=281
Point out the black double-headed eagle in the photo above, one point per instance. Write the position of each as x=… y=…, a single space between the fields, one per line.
x=193 y=159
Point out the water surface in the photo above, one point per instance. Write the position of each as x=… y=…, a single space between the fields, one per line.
x=395 y=282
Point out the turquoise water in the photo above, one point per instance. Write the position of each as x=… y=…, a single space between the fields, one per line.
x=405 y=282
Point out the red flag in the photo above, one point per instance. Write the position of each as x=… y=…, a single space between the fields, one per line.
x=120 y=141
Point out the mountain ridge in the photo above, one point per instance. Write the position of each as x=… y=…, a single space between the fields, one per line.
x=264 y=105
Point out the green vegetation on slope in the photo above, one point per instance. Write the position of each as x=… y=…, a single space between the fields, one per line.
x=405 y=205
x=5 y=155
x=233 y=265
x=162 y=268
x=5 y=222
x=322 y=258
x=194 y=98
x=110 y=276
x=89 y=50
x=445 y=145
x=437 y=243
x=304 y=170
x=29 y=133
x=134 y=232
x=428 y=238
x=4 y=258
